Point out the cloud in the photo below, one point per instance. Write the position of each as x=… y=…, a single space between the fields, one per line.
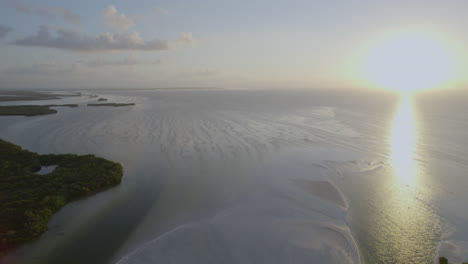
x=200 y=74
x=163 y=11
x=44 y=11
x=74 y=67
x=4 y=30
x=206 y=73
x=122 y=62
x=39 y=69
x=69 y=39
x=58 y=12
x=152 y=13
x=119 y=22
x=185 y=38
x=20 y=7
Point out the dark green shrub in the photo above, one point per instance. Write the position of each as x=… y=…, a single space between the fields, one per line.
x=443 y=260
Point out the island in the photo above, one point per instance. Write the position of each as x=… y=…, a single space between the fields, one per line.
x=30 y=110
x=26 y=110
x=6 y=96
x=112 y=104
x=29 y=197
x=37 y=110
x=13 y=95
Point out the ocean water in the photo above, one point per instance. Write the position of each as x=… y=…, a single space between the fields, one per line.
x=259 y=176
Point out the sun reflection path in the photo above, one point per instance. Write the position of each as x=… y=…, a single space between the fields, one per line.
x=403 y=141
x=404 y=229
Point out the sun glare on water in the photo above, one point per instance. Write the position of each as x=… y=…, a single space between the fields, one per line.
x=410 y=62
x=403 y=142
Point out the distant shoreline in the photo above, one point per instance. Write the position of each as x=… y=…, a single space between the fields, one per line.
x=37 y=110
x=8 y=95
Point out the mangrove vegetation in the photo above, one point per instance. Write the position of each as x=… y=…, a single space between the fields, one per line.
x=28 y=199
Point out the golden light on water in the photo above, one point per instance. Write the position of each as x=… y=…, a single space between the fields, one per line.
x=403 y=141
x=406 y=229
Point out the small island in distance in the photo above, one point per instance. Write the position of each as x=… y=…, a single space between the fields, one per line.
x=8 y=96
x=37 y=110
x=28 y=199
x=112 y=104
x=30 y=110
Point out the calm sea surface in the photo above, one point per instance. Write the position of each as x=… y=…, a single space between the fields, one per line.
x=247 y=176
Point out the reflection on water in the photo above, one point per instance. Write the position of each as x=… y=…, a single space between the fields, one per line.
x=394 y=223
x=403 y=142
x=407 y=229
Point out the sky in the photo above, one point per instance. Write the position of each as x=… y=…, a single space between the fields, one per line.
x=209 y=43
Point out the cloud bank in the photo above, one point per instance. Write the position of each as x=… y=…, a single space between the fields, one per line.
x=51 y=68
x=4 y=30
x=69 y=39
x=39 y=69
x=121 y=62
x=119 y=22
x=44 y=11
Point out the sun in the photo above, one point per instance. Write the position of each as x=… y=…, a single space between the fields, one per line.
x=409 y=62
